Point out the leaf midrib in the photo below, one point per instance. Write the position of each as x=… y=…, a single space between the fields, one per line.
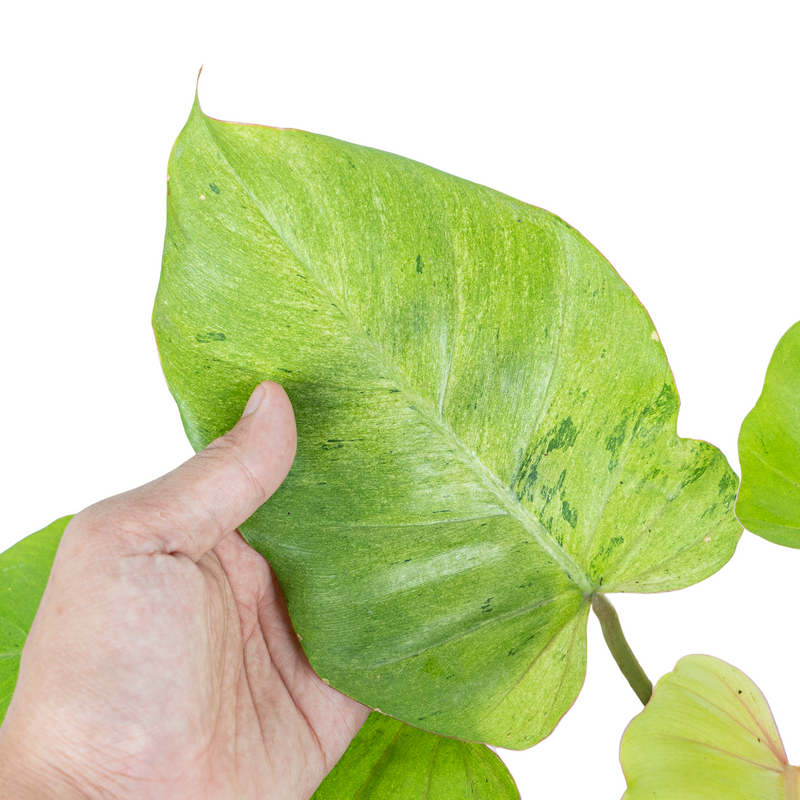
x=507 y=499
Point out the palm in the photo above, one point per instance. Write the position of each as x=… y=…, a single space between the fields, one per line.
x=249 y=715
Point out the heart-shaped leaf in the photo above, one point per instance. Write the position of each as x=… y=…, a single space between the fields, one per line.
x=389 y=760
x=487 y=420
x=24 y=570
x=769 y=450
x=706 y=733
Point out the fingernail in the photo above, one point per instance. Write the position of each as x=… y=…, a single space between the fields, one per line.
x=255 y=400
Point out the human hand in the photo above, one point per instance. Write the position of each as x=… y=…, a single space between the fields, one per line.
x=162 y=662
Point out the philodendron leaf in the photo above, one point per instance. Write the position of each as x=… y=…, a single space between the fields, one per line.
x=706 y=733
x=769 y=450
x=487 y=420
x=24 y=570
x=389 y=760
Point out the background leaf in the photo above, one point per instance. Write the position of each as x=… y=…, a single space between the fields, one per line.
x=388 y=759
x=769 y=450
x=487 y=420
x=24 y=570
x=706 y=733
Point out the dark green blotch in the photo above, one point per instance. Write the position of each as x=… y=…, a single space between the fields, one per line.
x=569 y=514
x=617 y=437
x=558 y=437
x=419 y=265
x=205 y=338
x=663 y=408
x=727 y=484
x=548 y=493
x=213 y=188
x=693 y=476
x=564 y=436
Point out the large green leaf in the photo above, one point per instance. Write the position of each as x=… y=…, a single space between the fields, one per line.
x=24 y=570
x=706 y=733
x=487 y=420
x=769 y=450
x=389 y=760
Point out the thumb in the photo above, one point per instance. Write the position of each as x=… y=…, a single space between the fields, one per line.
x=190 y=510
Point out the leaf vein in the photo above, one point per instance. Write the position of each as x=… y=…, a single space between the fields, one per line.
x=772 y=468
x=380 y=761
x=462 y=634
x=533 y=663
x=718 y=749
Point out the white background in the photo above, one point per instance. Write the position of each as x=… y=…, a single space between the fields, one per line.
x=666 y=133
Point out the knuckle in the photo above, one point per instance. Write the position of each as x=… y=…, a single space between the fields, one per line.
x=225 y=454
x=108 y=526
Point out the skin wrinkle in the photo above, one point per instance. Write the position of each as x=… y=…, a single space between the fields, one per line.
x=299 y=704
x=225 y=636
x=267 y=605
x=250 y=639
x=259 y=718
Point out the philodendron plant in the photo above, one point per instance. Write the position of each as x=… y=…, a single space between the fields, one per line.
x=487 y=441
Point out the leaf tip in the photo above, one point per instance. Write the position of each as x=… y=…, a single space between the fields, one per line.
x=197 y=90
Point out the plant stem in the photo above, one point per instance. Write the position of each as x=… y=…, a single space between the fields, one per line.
x=620 y=649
